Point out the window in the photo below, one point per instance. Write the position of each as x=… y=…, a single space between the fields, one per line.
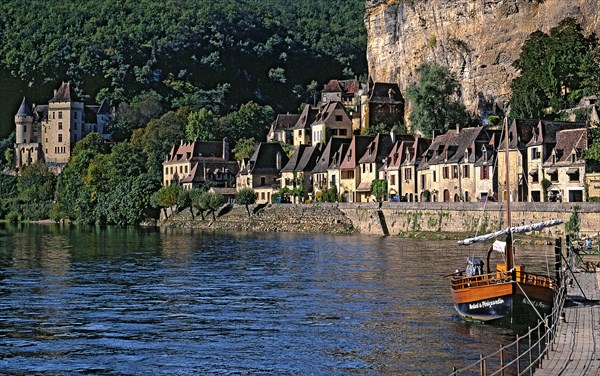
x=60 y=125
x=60 y=114
x=534 y=153
x=423 y=182
x=553 y=176
x=466 y=170
x=484 y=172
x=454 y=172
x=338 y=118
x=392 y=179
x=60 y=138
x=446 y=172
x=343 y=132
x=407 y=174
x=434 y=176
x=263 y=180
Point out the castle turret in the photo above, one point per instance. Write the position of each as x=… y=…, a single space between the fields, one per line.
x=24 y=123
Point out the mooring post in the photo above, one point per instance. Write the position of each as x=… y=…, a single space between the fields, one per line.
x=482 y=369
x=501 y=360
x=529 y=349
x=558 y=261
x=518 y=357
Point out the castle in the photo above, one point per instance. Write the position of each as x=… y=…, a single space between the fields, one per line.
x=46 y=132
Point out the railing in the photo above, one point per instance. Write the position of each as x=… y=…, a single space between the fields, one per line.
x=526 y=353
x=501 y=277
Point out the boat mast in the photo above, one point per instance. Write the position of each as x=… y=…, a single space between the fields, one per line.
x=509 y=251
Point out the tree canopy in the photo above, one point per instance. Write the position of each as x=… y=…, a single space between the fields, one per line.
x=435 y=99
x=198 y=54
x=557 y=69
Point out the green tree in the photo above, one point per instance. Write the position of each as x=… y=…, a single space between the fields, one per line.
x=212 y=202
x=379 y=189
x=246 y=197
x=244 y=148
x=8 y=194
x=435 y=98
x=167 y=197
x=557 y=69
x=202 y=126
x=249 y=121
x=157 y=139
x=36 y=184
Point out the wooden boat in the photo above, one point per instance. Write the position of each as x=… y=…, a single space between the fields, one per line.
x=507 y=294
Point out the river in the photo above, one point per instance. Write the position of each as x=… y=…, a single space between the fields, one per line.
x=167 y=301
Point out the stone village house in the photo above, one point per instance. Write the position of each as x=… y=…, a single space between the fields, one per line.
x=193 y=164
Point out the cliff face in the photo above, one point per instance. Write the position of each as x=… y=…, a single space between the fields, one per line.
x=477 y=39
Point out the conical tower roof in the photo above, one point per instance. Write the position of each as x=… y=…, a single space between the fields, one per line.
x=24 y=109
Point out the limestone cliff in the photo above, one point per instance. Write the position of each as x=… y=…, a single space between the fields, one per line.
x=477 y=39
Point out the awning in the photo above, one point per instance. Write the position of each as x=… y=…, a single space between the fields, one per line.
x=550 y=170
x=364 y=187
x=572 y=170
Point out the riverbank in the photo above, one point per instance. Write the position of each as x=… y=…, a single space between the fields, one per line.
x=418 y=220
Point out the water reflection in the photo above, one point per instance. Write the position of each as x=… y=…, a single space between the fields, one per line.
x=81 y=300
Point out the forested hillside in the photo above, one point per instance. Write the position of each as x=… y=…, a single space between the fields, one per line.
x=193 y=53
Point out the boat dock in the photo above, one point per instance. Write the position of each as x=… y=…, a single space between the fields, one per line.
x=576 y=346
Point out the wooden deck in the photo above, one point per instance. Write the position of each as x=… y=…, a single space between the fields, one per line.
x=576 y=350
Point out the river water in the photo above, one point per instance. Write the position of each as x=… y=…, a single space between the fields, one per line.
x=155 y=301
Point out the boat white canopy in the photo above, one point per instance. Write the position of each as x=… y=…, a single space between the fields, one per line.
x=513 y=230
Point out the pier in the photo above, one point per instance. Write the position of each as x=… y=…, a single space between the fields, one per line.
x=576 y=346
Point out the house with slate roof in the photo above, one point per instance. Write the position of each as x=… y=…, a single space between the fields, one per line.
x=539 y=149
x=369 y=164
x=321 y=178
x=349 y=94
x=262 y=172
x=349 y=173
x=383 y=104
x=333 y=170
x=331 y=121
x=198 y=163
x=297 y=174
x=447 y=170
x=519 y=134
x=282 y=128
x=400 y=169
x=47 y=132
x=565 y=168
x=302 y=129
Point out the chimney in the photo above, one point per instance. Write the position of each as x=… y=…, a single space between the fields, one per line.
x=457 y=128
x=434 y=134
x=225 y=149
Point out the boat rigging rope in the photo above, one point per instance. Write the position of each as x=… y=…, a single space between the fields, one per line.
x=532 y=306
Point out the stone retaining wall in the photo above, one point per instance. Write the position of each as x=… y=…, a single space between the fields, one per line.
x=396 y=218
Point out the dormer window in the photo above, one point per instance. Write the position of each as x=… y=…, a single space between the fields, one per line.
x=466 y=155
x=484 y=152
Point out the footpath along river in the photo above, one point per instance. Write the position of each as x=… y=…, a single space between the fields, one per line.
x=169 y=301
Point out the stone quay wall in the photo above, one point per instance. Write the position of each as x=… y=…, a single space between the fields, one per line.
x=388 y=218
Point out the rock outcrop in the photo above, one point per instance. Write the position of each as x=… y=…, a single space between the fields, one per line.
x=477 y=39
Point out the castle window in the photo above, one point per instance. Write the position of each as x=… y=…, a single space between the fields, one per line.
x=60 y=114
x=60 y=138
x=60 y=125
